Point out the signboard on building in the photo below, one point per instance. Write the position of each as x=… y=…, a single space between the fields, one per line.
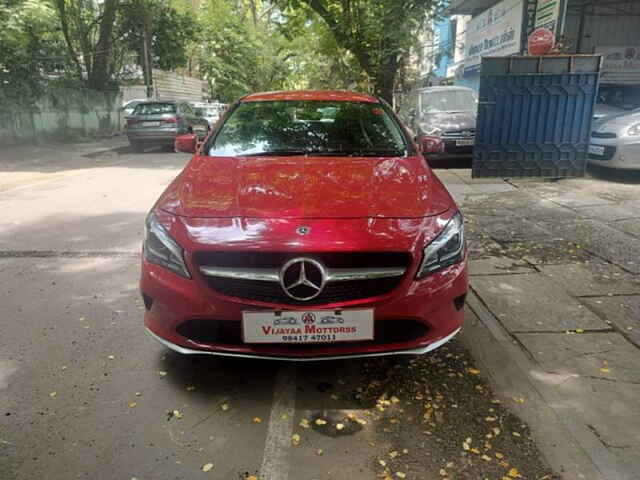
x=620 y=64
x=495 y=32
x=547 y=14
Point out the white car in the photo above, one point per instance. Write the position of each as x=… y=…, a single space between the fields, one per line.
x=615 y=141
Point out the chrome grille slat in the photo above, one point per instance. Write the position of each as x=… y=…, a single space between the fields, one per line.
x=272 y=275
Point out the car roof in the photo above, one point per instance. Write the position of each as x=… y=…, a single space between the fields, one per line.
x=327 y=95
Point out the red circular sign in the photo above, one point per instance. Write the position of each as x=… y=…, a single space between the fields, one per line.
x=541 y=41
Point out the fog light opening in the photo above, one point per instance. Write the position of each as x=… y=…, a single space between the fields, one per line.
x=148 y=301
x=458 y=302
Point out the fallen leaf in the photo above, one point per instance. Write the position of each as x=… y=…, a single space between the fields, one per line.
x=393 y=454
x=513 y=473
x=207 y=467
x=339 y=426
x=320 y=421
x=138 y=394
x=111 y=357
x=579 y=330
x=251 y=477
x=401 y=475
x=395 y=399
x=474 y=450
x=382 y=462
x=224 y=407
x=162 y=373
x=190 y=388
x=473 y=371
x=177 y=414
x=516 y=434
x=334 y=396
x=518 y=399
x=133 y=404
x=486 y=458
x=605 y=370
x=53 y=394
x=490 y=419
x=443 y=472
x=499 y=456
x=319 y=451
x=496 y=431
x=257 y=420
x=295 y=439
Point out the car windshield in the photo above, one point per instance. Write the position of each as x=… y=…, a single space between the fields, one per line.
x=448 y=101
x=309 y=127
x=154 y=108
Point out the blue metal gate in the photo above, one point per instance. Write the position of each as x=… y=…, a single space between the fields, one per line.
x=534 y=116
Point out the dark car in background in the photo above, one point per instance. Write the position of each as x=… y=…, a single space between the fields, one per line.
x=159 y=122
x=443 y=120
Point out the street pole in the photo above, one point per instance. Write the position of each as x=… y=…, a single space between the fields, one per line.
x=147 y=50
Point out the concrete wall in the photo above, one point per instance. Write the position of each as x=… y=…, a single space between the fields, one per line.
x=63 y=114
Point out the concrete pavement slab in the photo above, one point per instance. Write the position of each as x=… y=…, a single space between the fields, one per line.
x=604 y=241
x=609 y=213
x=622 y=311
x=604 y=355
x=530 y=302
x=498 y=266
x=511 y=228
x=631 y=226
x=592 y=278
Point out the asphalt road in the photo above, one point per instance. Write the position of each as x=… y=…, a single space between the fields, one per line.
x=84 y=393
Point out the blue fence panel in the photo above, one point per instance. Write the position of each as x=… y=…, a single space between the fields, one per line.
x=531 y=122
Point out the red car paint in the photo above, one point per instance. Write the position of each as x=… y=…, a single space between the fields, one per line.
x=349 y=204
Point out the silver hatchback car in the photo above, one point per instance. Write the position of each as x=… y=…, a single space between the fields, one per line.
x=615 y=141
x=158 y=123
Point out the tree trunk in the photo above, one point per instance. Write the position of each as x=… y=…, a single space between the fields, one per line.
x=100 y=72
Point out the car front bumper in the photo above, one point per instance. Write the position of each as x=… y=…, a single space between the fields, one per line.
x=435 y=303
x=619 y=153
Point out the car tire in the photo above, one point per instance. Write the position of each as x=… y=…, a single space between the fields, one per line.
x=137 y=146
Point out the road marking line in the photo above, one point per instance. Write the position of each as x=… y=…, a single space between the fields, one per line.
x=275 y=462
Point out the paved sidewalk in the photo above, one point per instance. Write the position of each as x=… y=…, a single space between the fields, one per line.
x=555 y=279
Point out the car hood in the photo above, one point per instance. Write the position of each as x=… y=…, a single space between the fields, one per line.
x=305 y=187
x=449 y=121
x=621 y=119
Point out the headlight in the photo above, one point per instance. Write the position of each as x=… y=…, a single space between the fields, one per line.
x=446 y=249
x=161 y=249
x=634 y=130
x=430 y=130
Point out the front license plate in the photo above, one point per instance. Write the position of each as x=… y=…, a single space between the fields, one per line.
x=151 y=124
x=596 y=150
x=465 y=143
x=311 y=326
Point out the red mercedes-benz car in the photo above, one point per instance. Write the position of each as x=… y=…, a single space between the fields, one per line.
x=306 y=226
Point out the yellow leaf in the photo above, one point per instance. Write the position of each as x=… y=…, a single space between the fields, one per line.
x=474 y=450
x=295 y=439
x=320 y=422
x=499 y=456
x=393 y=454
x=111 y=357
x=513 y=473
x=401 y=475
x=490 y=419
x=224 y=407
x=177 y=414
x=162 y=374
x=473 y=371
x=579 y=330
x=190 y=388
x=53 y=394
x=251 y=477
x=486 y=458
x=394 y=399
x=605 y=370
x=257 y=420
x=207 y=467
x=382 y=462
x=304 y=423
x=319 y=451
x=339 y=426
x=133 y=404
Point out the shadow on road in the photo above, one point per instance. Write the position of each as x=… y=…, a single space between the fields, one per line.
x=614 y=175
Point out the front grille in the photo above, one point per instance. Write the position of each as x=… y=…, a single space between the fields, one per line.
x=271 y=292
x=277 y=259
x=227 y=332
x=603 y=135
x=466 y=133
x=609 y=152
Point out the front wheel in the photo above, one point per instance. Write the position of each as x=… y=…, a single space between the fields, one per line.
x=137 y=146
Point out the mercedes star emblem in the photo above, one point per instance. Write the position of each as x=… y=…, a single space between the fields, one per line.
x=303 y=278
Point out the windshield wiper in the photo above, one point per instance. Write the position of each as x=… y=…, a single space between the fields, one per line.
x=361 y=153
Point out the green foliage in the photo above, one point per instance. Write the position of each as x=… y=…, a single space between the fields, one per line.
x=379 y=33
x=31 y=48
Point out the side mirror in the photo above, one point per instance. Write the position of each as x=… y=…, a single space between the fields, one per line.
x=428 y=144
x=186 y=143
